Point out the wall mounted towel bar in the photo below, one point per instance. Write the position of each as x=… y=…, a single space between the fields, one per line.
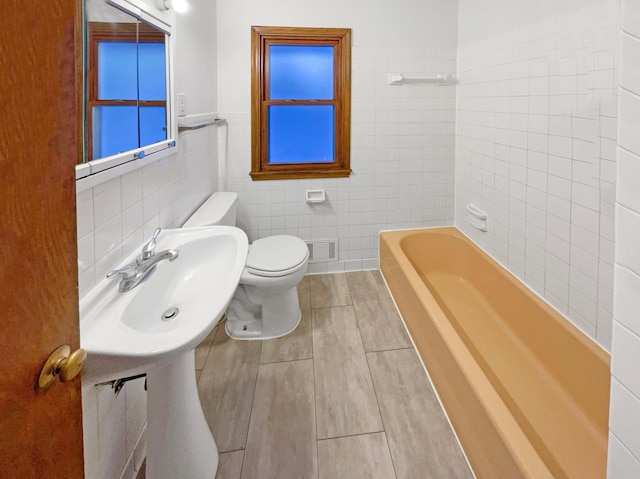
x=439 y=79
x=215 y=121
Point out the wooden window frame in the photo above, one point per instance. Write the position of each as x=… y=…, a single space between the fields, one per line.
x=99 y=32
x=261 y=39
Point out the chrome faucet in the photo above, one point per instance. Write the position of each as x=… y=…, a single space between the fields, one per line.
x=131 y=275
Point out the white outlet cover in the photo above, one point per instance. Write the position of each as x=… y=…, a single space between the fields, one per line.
x=182 y=104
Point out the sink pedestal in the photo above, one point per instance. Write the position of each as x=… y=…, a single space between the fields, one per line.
x=179 y=441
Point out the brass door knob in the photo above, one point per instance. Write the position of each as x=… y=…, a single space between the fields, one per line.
x=62 y=363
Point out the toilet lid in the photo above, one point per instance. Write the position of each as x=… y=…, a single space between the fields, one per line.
x=276 y=255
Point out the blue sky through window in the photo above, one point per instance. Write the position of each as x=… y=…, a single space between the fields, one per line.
x=301 y=72
x=151 y=71
x=301 y=134
x=117 y=71
x=115 y=129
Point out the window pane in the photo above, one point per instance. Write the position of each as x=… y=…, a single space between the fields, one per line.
x=151 y=71
x=117 y=71
x=153 y=123
x=115 y=129
x=301 y=134
x=300 y=72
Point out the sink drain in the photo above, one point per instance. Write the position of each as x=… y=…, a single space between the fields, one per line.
x=170 y=314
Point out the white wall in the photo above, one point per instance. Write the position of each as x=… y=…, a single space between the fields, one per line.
x=624 y=438
x=535 y=146
x=402 y=136
x=195 y=65
x=117 y=216
x=482 y=20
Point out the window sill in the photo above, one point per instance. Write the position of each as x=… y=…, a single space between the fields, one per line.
x=299 y=175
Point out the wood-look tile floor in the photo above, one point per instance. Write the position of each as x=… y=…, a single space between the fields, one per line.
x=343 y=396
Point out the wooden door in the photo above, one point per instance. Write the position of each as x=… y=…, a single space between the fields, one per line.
x=40 y=433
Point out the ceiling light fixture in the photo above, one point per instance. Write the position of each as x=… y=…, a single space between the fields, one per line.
x=179 y=6
x=163 y=4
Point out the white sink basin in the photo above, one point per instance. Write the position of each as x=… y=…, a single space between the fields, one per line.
x=126 y=334
x=154 y=328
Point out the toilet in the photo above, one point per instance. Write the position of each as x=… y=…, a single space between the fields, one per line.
x=266 y=304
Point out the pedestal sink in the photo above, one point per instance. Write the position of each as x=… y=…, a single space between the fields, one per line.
x=154 y=329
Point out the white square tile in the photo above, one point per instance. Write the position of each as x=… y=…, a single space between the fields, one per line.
x=107 y=237
x=106 y=204
x=134 y=242
x=131 y=184
x=85 y=253
x=135 y=411
x=90 y=431
x=627 y=298
x=628 y=121
x=628 y=166
x=132 y=219
x=625 y=416
x=585 y=218
x=621 y=463
x=587 y=196
x=627 y=233
x=84 y=214
x=86 y=281
x=603 y=339
x=630 y=13
x=626 y=346
x=108 y=262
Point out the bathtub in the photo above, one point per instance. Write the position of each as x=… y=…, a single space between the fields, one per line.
x=527 y=392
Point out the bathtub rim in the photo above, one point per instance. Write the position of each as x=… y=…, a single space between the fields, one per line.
x=511 y=435
x=520 y=281
x=514 y=440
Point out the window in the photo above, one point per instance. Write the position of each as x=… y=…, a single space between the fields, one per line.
x=301 y=102
x=126 y=95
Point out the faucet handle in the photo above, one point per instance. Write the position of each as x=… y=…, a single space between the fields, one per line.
x=127 y=272
x=149 y=249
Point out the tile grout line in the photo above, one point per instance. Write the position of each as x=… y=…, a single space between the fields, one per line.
x=313 y=369
x=389 y=349
x=217 y=331
x=426 y=372
x=229 y=452
x=253 y=401
x=371 y=433
x=375 y=392
x=384 y=429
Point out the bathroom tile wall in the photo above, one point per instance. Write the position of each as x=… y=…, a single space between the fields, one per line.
x=624 y=439
x=402 y=137
x=117 y=216
x=536 y=150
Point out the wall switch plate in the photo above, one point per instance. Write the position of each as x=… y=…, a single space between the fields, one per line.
x=182 y=104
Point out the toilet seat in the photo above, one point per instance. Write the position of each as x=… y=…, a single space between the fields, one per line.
x=276 y=256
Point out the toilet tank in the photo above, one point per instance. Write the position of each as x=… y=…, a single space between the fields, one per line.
x=219 y=209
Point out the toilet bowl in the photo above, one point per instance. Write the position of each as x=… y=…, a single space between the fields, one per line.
x=266 y=304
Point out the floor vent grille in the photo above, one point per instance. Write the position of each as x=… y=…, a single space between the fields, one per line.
x=323 y=251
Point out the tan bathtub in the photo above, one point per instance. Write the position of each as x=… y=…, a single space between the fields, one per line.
x=527 y=393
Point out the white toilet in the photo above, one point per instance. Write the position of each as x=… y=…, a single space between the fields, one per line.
x=265 y=305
